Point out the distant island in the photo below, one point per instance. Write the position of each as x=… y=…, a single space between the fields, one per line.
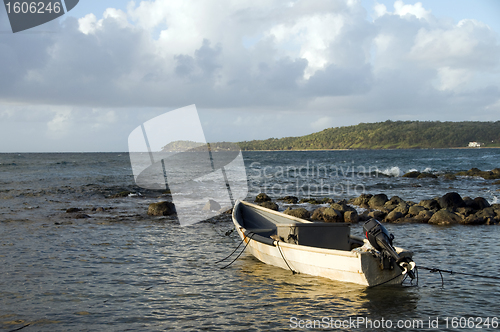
x=389 y=135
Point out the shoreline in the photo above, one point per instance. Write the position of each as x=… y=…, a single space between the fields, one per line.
x=305 y=150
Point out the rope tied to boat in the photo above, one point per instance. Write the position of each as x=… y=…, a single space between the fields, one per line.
x=249 y=239
x=282 y=256
x=441 y=271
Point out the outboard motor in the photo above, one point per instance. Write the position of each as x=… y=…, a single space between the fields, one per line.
x=380 y=238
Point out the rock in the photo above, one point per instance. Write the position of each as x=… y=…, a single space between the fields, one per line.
x=161 y=209
x=496 y=182
x=379 y=215
x=403 y=208
x=393 y=216
x=480 y=203
x=426 y=175
x=465 y=211
x=451 y=201
x=318 y=213
x=496 y=171
x=389 y=206
x=378 y=201
x=430 y=204
x=73 y=210
x=362 y=200
x=332 y=215
x=327 y=200
x=211 y=206
x=289 y=199
x=445 y=217
x=424 y=216
x=415 y=210
x=310 y=201
x=100 y=209
x=364 y=216
x=342 y=207
x=493 y=174
x=81 y=216
x=299 y=213
x=270 y=205
x=262 y=198
x=412 y=174
x=396 y=200
x=484 y=216
x=450 y=176
x=121 y=194
x=351 y=216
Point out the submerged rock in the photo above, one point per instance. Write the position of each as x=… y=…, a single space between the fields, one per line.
x=161 y=209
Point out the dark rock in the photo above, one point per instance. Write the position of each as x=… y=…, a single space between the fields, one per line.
x=496 y=182
x=424 y=216
x=332 y=215
x=415 y=210
x=403 y=208
x=262 y=198
x=450 y=176
x=351 y=216
x=393 y=216
x=327 y=200
x=430 y=204
x=342 y=207
x=362 y=200
x=270 y=205
x=396 y=200
x=484 y=216
x=465 y=211
x=496 y=171
x=81 y=216
x=289 y=199
x=426 y=175
x=161 y=209
x=73 y=210
x=379 y=215
x=211 y=206
x=378 y=201
x=310 y=201
x=413 y=174
x=451 y=201
x=480 y=203
x=484 y=174
x=299 y=213
x=389 y=206
x=121 y=194
x=100 y=209
x=445 y=217
x=318 y=213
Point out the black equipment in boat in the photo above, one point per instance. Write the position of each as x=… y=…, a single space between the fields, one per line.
x=381 y=240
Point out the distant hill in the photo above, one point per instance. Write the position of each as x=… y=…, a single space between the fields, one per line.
x=388 y=135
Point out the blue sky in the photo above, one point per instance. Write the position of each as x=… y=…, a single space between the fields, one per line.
x=254 y=69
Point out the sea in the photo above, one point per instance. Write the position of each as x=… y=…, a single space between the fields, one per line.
x=109 y=266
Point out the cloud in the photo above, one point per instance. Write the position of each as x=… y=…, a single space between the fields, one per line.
x=316 y=57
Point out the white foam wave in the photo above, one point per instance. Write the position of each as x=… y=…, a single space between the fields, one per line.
x=393 y=171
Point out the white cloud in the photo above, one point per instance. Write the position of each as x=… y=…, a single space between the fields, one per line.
x=316 y=57
x=416 y=10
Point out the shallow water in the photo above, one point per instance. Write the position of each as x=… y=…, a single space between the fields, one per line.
x=122 y=270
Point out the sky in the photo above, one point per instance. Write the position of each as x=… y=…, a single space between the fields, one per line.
x=254 y=69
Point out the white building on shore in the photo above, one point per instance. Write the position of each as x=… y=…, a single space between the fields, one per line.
x=474 y=145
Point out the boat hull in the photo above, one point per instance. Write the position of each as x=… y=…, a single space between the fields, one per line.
x=356 y=266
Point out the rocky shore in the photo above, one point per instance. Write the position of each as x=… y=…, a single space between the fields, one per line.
x=448 y=209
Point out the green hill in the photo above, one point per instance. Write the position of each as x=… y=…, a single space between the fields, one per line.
x=388 y=135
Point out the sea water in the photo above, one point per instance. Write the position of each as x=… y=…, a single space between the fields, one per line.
x=112 y=267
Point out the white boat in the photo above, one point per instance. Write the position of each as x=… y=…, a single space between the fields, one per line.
x=322 y=249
